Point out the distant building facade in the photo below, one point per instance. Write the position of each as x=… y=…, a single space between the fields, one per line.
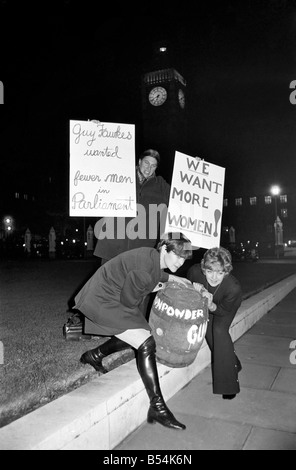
x=253 y=216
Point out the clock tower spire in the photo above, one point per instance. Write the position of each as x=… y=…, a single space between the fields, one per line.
x=164 y=108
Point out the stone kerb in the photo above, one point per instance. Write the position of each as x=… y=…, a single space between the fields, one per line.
x=255 y=307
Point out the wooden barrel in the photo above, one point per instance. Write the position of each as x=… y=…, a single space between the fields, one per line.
x=178 y=318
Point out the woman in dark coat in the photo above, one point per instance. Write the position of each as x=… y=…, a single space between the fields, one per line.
x=113 y=300
x=214 y=281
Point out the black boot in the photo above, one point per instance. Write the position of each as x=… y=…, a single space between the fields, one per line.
x=158 y=411
x=94 y=356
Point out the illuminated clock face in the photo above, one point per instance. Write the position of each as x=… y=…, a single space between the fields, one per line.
x=181 y=98
x=157 y=96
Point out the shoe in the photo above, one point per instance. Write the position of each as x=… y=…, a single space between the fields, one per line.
x=159 y=413
x=228 y=397
x=94 y=358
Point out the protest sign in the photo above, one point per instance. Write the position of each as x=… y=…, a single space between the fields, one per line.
x=102 y=169
x=196 y=200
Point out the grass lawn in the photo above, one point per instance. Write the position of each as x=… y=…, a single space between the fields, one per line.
x=39 y=365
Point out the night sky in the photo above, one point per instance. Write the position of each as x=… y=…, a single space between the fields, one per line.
x=84 y=61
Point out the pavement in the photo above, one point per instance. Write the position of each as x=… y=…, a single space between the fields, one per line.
x=263 y=414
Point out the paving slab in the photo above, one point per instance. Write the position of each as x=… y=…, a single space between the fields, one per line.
x=269 y=439
x=265 y=350
x=284 y=311
x=281 y=316
x=263 y=408
x=214 y=423
x=200 y=434
x=283 y=330
x=258 y=376
x=264 y=341
x=285 y=381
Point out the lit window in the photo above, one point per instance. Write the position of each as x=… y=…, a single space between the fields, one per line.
x=238 y=201
x=26 y=196
x=253 y=201
x=284 y=213
x=225 y=203
x=283 y=199
x=17 y=195
x=268 y=199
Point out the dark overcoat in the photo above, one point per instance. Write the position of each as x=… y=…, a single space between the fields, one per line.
x=154 y=191
x=112 y=300
x=228 y=298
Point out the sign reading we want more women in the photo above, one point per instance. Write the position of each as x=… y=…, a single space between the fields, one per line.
x=196 y=201
x=102 y=169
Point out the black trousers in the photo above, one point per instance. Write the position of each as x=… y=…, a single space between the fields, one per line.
x=224 y=360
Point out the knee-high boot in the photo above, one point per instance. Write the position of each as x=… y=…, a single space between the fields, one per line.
x=158 y=411
x=94 y=356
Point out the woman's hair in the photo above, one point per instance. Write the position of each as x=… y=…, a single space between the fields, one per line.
x=217 y=255
x=178 y=243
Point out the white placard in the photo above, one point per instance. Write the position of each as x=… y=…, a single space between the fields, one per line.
x=102 y=169
x=196 y=201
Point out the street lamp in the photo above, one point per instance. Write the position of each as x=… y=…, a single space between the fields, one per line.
x=275 y=191
x=8 y=224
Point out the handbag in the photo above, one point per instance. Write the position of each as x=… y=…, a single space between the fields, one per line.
x=73 y=329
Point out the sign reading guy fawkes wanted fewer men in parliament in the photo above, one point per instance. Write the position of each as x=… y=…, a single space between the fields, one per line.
x=196 y=201
x=102 y=169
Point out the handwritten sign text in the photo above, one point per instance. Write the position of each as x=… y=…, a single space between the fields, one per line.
x=102 y=169
x=196 y=200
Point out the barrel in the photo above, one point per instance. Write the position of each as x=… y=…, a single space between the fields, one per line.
x=178 y=319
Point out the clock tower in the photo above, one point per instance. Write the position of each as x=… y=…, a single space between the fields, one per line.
x=164 y=112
